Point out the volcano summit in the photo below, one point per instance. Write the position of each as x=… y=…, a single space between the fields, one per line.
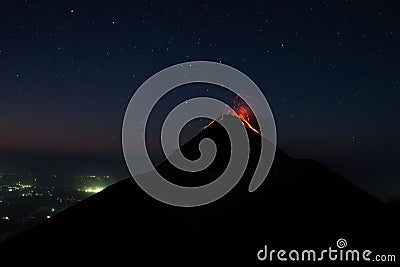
x=301 y=204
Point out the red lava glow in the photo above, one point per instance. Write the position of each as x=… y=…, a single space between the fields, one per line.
x=242 y=112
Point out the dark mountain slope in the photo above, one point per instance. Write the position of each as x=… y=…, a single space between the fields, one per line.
x=301 y=204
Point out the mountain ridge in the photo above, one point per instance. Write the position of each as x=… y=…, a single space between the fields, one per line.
x=301 y=204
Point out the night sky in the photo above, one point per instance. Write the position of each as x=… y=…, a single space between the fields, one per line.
x=330 y=70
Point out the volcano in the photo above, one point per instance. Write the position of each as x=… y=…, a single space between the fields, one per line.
x=300 y=205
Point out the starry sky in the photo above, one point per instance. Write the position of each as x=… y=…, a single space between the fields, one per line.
x=330 y=70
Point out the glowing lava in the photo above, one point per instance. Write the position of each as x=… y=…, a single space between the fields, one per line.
x=242 y=112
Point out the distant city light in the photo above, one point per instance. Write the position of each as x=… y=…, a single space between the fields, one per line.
x=93 y=189
x=18 y=190
x=23 y=185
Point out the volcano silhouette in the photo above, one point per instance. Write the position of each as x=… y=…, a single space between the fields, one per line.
x=300 y=205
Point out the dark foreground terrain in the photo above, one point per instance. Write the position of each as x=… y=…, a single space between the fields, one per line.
x=301 y=205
